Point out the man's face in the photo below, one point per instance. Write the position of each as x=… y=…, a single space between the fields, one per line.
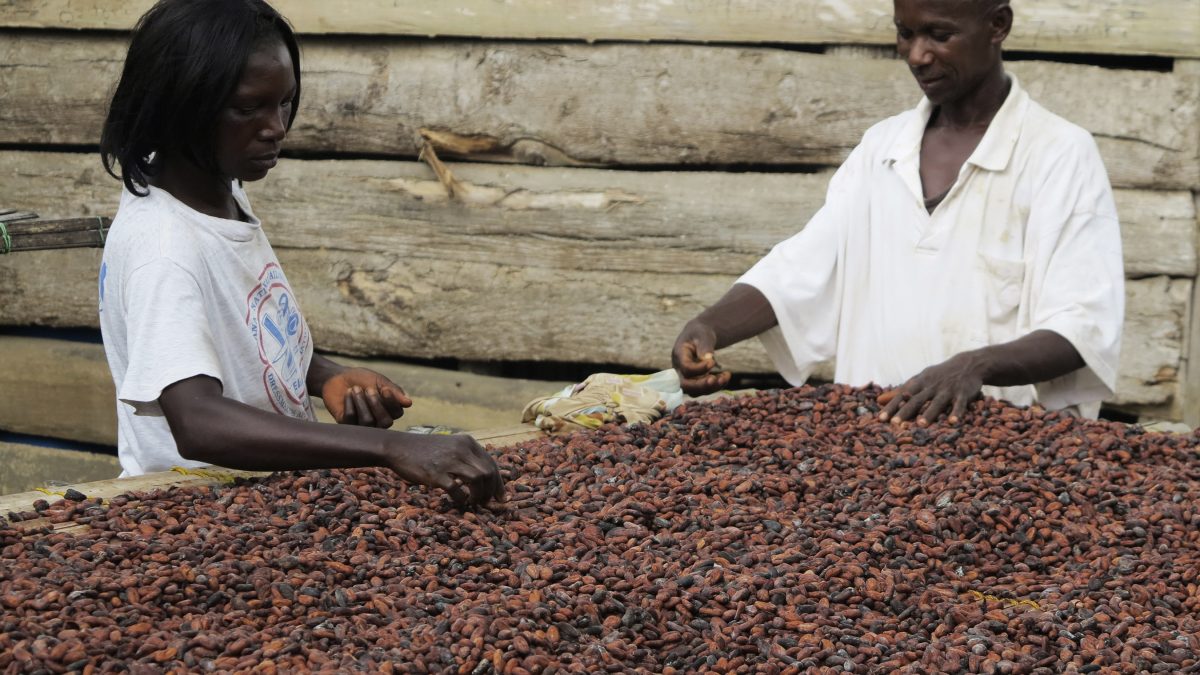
x=254 y=121
x=950 y=45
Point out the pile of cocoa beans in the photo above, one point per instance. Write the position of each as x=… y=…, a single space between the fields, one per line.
x=785 y=532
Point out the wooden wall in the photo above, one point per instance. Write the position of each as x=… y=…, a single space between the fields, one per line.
x=623 y=161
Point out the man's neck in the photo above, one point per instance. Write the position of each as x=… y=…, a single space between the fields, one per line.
x=977 y=108
x=207 y=193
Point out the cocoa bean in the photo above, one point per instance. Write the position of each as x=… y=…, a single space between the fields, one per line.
x=784 y=532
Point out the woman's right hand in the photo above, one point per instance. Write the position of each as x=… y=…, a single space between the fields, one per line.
x=456 y=464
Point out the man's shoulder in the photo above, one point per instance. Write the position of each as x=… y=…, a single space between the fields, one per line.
x=1047 y=131
x=884 y=133
x=1061 y=158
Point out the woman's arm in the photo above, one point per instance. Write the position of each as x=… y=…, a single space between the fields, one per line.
x=208 y=427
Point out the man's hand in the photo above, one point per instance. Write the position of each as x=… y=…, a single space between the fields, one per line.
x=456 y=464
x=695 y=362
x=1040 y=356
x=949 y=386
x=363 y=397
x=741 y=313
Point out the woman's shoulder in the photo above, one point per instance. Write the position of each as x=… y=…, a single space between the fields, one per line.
x=146 y=228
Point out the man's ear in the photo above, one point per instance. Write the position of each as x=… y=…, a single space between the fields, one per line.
x=1001 y=23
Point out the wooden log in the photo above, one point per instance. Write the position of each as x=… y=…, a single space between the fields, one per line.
x=687 y=222
x=63 y=389
x=1167 y=27
x=387 y=304
x=612 y=105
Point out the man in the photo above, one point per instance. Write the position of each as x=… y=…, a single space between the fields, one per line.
x=968 y=245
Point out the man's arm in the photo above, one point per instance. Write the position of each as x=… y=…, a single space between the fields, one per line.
x=742 y=313
x=208 y=427
x=1041 y=356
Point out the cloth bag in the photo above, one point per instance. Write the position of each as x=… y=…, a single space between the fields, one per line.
x=604 y=398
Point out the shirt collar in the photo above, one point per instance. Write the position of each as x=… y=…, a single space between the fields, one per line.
x=235 y=230
x=994 y=151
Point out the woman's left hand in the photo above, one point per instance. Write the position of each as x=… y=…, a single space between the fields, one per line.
x=364 y=397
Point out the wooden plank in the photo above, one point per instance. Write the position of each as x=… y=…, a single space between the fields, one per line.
x=28 y=466
x=407 y=273
x=627 y=318
x=588 y=219
x=66 y=297
x=507 y=436
x=63 y=389
x=1167 y=27
x=107 y=489
x=9 y=217
x=58 y=226
x=41 y=242
x=1190 y=413
x=37 y=233
x=1157 y=312
x=388 y=304
x=687 y=222
x=612 y=105
x=530 y=247
x=1148 y=221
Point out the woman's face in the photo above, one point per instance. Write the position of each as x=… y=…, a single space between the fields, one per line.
x=253 y=123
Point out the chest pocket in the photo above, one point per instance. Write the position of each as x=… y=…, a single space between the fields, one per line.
x=1003 y=280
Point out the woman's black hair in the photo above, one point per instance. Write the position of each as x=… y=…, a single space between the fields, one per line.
x=185 y=60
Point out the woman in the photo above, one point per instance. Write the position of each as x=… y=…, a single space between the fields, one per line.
x=212 y=358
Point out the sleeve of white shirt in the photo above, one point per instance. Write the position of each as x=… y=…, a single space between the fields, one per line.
x=168 y=334
x=1079 y=276
x=799 y=277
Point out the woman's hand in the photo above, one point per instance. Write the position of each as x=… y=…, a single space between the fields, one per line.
x=363 y=397
x=456 y=464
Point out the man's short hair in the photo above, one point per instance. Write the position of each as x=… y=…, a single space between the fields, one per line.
x=989 y=5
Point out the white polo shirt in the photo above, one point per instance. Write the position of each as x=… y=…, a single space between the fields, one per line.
x=1027 y=239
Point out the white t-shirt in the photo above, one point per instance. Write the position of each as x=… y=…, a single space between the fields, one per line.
x=1027 y=239
x=185 y=294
